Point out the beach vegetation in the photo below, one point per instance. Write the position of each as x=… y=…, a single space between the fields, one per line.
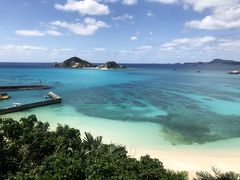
x=217 y=175
x=29 y=150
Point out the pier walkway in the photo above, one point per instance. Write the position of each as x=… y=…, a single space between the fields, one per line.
x=19 y=107
x=25 y=87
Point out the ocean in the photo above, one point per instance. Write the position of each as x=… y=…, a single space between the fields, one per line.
x=146 y=106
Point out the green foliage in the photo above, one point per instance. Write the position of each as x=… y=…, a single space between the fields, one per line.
x=172 y=175
x=151 y=168
x=28 y=150
x=218 y=175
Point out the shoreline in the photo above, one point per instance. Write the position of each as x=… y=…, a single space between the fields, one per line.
x=193 y=161
x=224 y=154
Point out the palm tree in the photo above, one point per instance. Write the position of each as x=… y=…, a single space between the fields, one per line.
x=218 y=175
x=117 y=149
x=90 y=143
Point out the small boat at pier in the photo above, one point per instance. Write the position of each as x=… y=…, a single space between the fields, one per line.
x=4 y=96
x=16 y=104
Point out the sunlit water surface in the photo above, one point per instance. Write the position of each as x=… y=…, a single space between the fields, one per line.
x=144 y=106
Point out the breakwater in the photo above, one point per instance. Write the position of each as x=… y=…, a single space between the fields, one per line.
x=24 y=87
x=54 y=99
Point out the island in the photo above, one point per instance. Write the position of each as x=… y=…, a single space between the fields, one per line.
x=221 y=62
x=215 y=62
x=224 y=62
x=74 y=62
x=110 y=65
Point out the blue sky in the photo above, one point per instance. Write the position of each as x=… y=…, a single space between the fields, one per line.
x=128 y=31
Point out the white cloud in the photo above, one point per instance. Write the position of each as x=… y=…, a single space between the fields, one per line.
x=88 y=27
x=144 y=48
x=37 y=33
x=53 y=33
x=201 y=49
x=134 y=38
x=29 y=33
x=224 y=14
x=111 y=1
x=150 y=14
x=187 y=43
x=130 y=2
x=228 y=19
x=99 y=49
x=21 y=48
x=230 y=45
x=123 y=17
x=125 y=2
x=123 y=52
x=62 y=49
x=85 y=7
x=30 y=53
x=14 y=53
x=200 y=5
x=164 y=1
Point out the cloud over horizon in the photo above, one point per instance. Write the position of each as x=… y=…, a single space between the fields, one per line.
x=88 y=27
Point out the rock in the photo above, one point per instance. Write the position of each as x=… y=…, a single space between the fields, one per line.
x=110 y=65
x=74 y=62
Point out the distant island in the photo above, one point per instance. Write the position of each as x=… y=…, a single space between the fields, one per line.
x=219 y=62
x=110 y=65
x=216 y=62
x=76 y=62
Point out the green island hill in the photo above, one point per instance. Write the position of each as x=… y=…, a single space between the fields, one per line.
x=76 y=62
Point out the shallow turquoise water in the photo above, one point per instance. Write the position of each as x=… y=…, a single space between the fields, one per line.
x=180 y=107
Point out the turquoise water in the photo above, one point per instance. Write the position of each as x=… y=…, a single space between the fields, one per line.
x=151 y=106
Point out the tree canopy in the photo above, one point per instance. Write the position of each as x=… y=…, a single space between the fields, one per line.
x=29 y=150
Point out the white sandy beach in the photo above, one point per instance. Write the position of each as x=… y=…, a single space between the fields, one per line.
x=193 y=161
x=139 y=141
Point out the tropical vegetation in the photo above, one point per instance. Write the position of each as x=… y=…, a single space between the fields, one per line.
x=29 y=150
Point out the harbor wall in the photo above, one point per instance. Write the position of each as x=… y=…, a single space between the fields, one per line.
x=29 y=106
x=25 y=87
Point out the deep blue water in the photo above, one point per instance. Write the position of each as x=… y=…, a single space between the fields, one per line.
x=191 y=107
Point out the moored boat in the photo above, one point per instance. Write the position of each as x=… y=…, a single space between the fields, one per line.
x=234 y=72
x=4 y=96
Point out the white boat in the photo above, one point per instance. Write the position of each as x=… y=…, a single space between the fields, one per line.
x=16 y=104
x=234 y=72
x=46 y=96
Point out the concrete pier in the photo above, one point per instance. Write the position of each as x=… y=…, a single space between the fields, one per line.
x=24 y=87
x=54 y=99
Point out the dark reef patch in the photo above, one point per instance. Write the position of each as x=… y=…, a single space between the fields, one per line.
x=186 y=120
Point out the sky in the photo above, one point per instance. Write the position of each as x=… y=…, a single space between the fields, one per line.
x=126 y=31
